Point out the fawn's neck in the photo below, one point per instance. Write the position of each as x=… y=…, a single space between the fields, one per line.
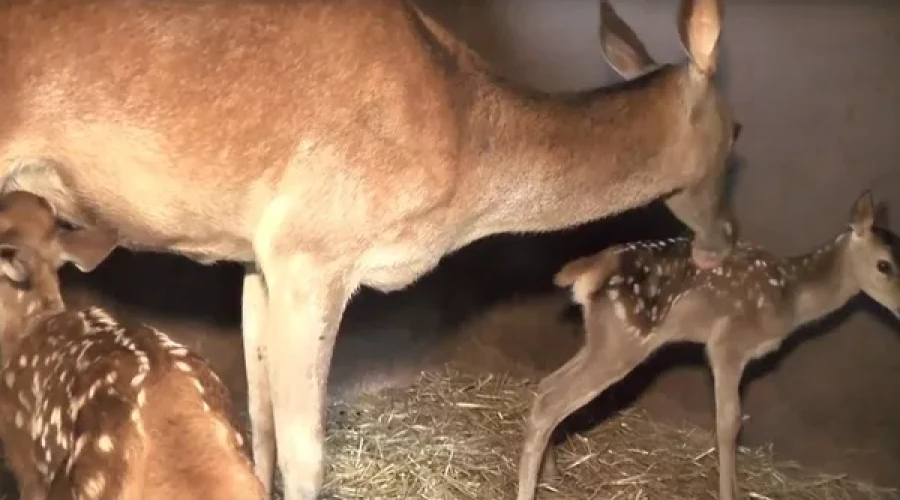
x=21 y=313
x=549 y=162
x=822 y=280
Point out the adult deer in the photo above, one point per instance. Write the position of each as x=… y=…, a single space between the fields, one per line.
x=332 y=144
x=638 y=297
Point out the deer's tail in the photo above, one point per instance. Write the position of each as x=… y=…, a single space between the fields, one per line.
x=586 y=274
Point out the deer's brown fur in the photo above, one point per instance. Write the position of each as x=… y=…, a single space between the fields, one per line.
x=638 y=297
x=94 y=409
x=333 y=144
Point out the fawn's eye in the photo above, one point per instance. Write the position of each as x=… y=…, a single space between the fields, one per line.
x=7 y=253
x=66 y=225
x=884 y=267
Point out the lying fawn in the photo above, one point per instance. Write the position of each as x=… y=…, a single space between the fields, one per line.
x=331 y=144
x=637 y=297
x=93 y=409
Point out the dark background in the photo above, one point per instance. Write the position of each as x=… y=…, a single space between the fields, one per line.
x=815 y=84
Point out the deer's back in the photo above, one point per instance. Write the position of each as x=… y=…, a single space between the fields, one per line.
x=656 y=286
x=206 y=106
x=92 y=404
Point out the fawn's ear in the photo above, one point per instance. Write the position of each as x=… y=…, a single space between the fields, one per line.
x=862 y=218
x=621 y=47
x=569 y=274
x=699 y=27
x=87 y=247
x=12 y=265
x=586 y=274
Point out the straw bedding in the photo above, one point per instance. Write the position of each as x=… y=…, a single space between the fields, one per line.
x=458 y=436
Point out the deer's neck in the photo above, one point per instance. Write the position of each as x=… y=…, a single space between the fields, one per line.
x=822 y=280
x=544 y=162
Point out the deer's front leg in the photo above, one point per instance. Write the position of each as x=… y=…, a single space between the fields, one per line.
x=306 y=302
x=700 y=208
x=259 y=400
x=727 y=371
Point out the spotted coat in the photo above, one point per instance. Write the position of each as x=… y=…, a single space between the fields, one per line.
x=78 y=387
x=652 y=276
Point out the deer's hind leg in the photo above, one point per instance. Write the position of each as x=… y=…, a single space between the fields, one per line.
x=727 y=368
x=575 y=384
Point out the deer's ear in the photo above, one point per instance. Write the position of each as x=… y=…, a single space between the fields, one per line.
x=87 y=247
x=699 y=27
x=862 y=218
x=12 y=265
x=621 y=47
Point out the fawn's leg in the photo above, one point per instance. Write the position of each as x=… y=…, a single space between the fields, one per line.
x=549 y=465
x=575 y=384
x=259 y=400
x=727 y=370
x=700 y=208
x=306 y=300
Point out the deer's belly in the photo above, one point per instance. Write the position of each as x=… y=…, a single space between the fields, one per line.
x=393 y=267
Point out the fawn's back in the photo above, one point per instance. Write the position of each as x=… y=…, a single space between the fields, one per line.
x=102 y=410
x=654 y=283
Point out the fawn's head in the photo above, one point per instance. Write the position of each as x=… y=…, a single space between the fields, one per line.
x=872 y=256
x=33 y=246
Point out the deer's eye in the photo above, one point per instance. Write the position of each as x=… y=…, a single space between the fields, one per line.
x=66 y=225
x=884 y=267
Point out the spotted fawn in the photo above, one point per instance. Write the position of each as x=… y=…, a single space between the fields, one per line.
x=92 y=408
x=637 y=297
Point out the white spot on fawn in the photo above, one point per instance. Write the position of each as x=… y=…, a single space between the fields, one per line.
x=104 y=443
x=94 y=486
x=138 y=379
x=10 y=379
x=620 y=310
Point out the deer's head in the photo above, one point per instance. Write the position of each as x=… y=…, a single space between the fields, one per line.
x=873 y=256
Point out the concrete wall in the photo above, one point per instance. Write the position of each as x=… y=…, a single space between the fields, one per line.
x=813 y=82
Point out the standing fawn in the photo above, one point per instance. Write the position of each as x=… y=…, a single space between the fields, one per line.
x=331 y=144
x=638 y=297
x=91 y=409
